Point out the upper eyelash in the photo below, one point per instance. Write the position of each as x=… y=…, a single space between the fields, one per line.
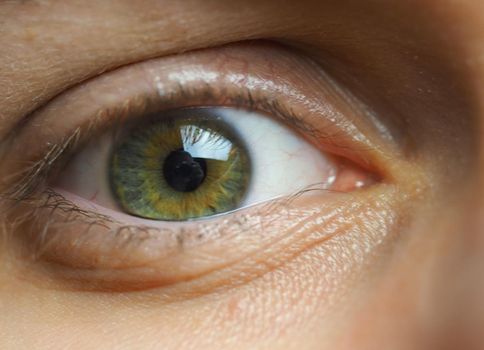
x=40 y=170
x=37 y=174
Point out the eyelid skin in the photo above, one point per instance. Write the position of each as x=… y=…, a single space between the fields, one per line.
x=269 y=79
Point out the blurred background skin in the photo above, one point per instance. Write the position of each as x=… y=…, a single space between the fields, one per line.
x=424 y=58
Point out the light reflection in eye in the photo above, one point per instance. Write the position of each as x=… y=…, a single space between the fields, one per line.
x=200 y=144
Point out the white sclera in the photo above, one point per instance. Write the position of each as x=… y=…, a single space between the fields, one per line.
x=283 y=162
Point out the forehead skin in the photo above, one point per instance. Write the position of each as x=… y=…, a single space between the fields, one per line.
x=49 y=46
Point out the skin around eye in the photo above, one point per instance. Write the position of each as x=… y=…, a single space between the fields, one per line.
x=308 y=144
x=248 y=158
x=343 y=277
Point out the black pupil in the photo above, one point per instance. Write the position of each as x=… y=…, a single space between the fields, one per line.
x=183 y=172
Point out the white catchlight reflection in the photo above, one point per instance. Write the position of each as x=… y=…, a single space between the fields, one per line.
x=200 y=143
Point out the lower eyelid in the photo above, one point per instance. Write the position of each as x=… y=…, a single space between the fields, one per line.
x=105 y=258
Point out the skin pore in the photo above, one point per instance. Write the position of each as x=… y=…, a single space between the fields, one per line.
x=396 y=267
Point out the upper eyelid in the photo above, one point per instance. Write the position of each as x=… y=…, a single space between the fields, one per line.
x=332 y=88
x=244 y=98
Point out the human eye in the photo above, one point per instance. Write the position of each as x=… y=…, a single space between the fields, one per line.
x=168 y=170
x=194 y=163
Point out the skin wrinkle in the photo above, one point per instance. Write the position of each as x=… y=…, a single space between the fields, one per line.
x=255 y=334
x=283 y=214
x=310 y=302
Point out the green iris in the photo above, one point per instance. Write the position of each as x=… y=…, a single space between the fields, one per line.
x=180 y=167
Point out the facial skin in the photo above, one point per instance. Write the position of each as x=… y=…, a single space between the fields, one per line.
x=403 y=267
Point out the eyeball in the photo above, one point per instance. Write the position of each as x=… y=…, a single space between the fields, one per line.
x=195 y=163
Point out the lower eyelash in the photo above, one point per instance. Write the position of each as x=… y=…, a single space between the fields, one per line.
x=52 y=210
